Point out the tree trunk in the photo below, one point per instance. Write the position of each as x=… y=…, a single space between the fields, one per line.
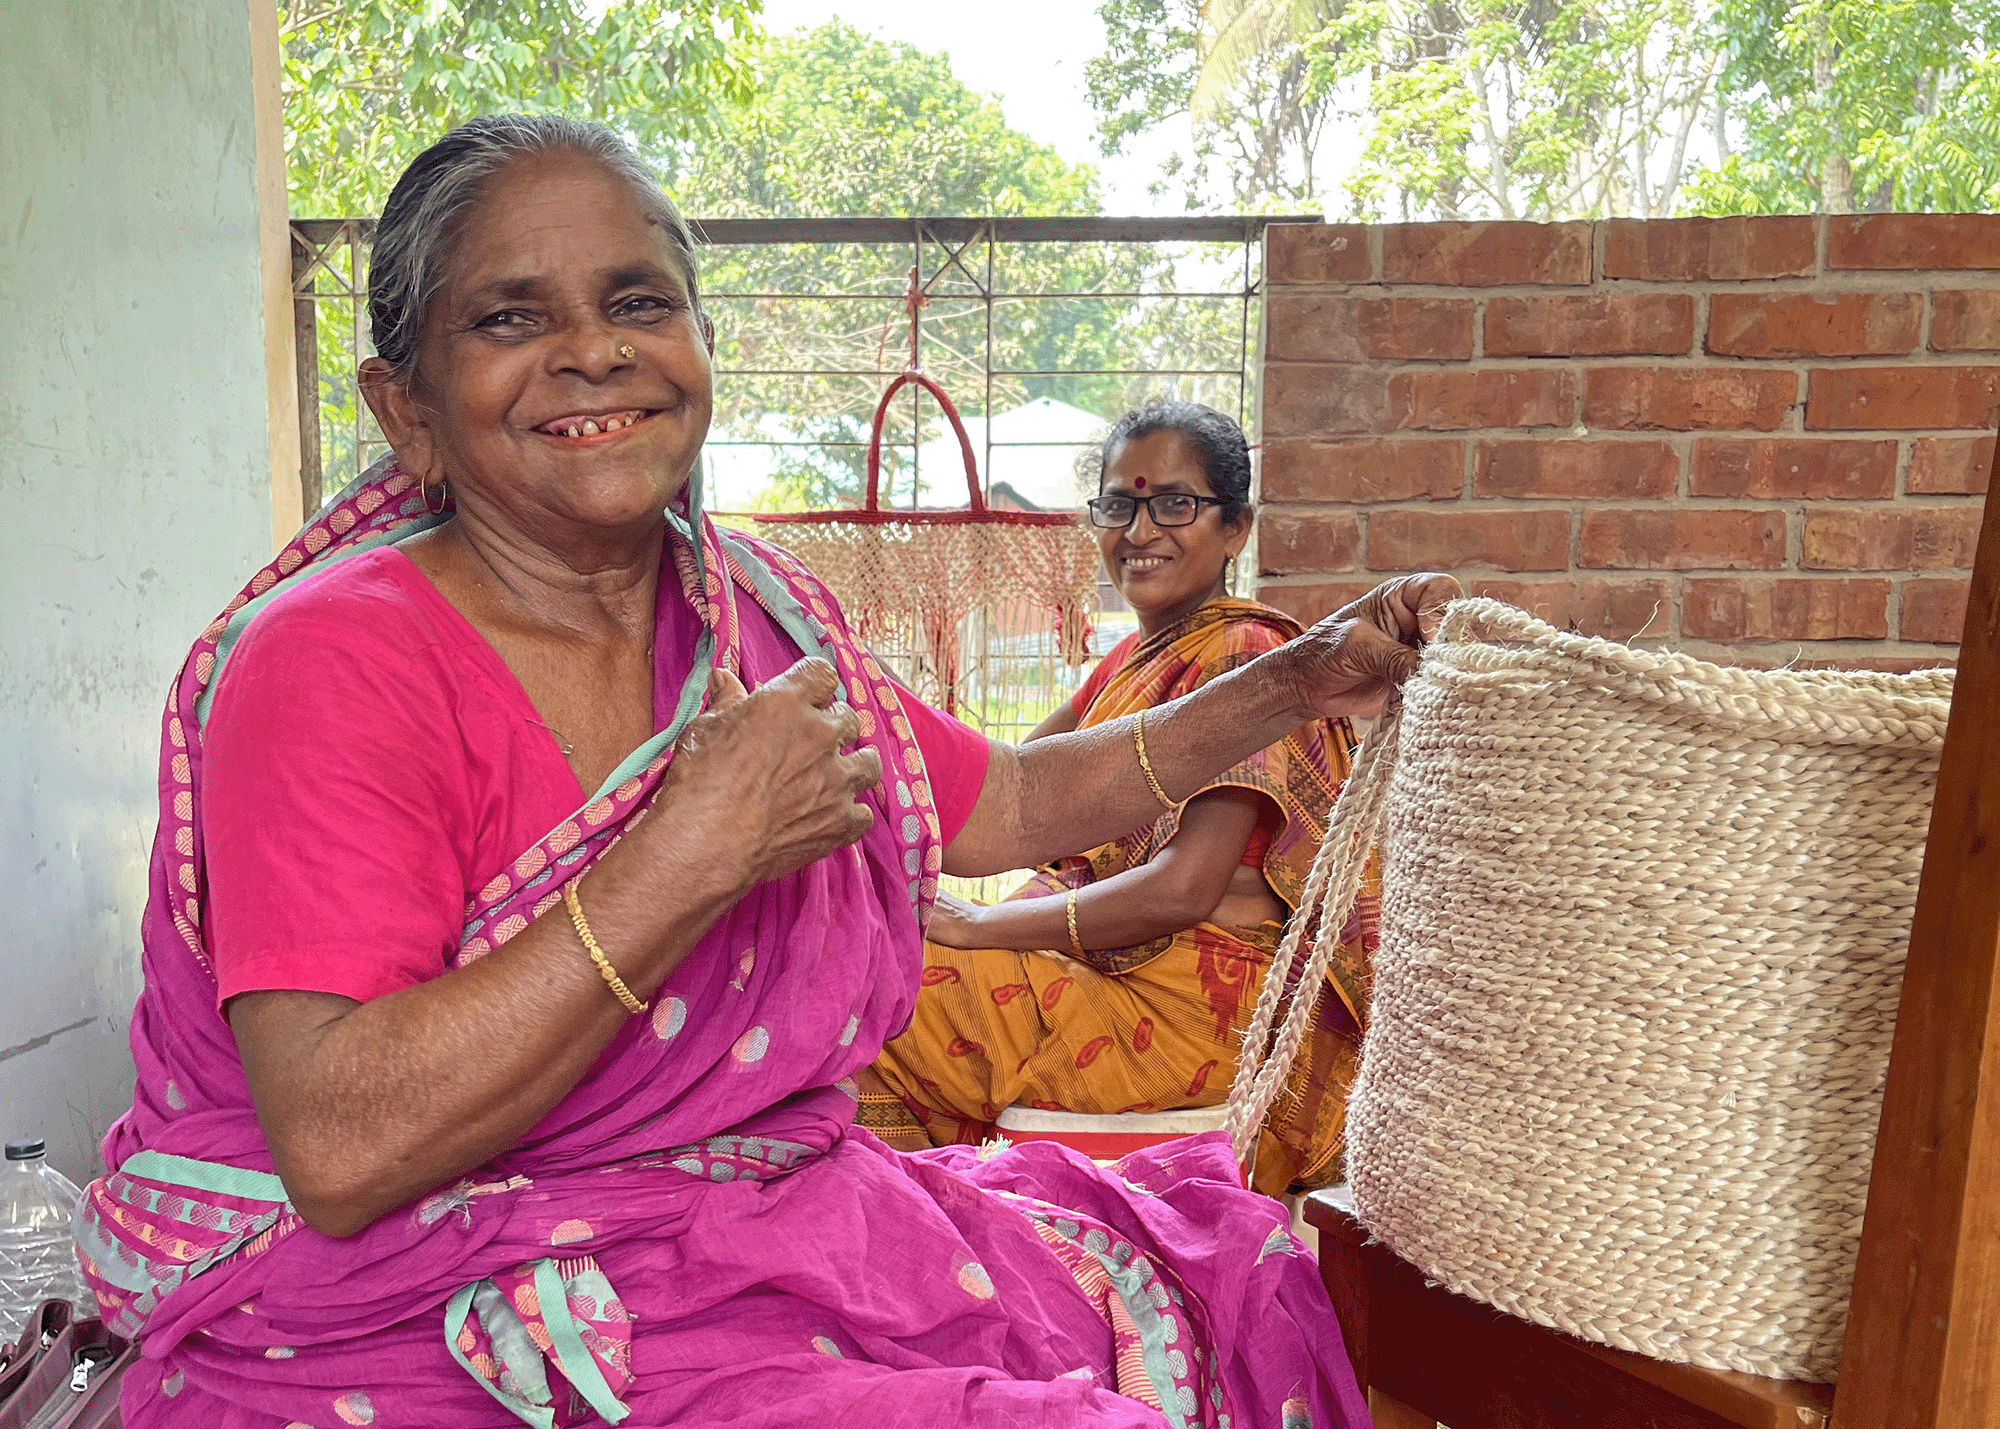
x=1836 y=175
x=1836 y=185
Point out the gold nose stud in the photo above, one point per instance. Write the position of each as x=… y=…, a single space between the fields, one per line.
x=628 y=352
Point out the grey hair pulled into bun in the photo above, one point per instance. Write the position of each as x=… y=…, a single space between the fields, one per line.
x=438 y=191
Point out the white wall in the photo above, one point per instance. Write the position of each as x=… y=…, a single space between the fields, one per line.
x=135 y=491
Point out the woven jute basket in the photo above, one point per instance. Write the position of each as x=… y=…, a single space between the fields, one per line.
x=1643 y=927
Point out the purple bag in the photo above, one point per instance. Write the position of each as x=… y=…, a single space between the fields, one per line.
x=44 y=1327
x=70 y=1384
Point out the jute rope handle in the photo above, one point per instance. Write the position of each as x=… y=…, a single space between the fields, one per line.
x=1331 y=888
x=1490 y=639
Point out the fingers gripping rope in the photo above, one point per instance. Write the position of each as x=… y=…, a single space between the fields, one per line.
x=1331 y=888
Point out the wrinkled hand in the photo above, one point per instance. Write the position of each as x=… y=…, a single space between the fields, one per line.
x=954 y=922
x=1350 y=662
x=760 y=778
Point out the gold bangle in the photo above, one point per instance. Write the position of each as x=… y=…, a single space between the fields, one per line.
x=1145 y=764
x=604 y=968
x=1069 y=909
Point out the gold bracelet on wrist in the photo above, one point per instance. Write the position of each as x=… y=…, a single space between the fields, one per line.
x=604 y=968
x=1069 y=911
x=1145 y=764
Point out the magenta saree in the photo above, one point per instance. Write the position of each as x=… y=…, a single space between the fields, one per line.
x=697 y=1233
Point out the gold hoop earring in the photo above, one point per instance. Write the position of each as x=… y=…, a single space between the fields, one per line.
x=437 y=510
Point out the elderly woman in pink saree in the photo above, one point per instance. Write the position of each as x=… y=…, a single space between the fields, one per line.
x=469 y=1097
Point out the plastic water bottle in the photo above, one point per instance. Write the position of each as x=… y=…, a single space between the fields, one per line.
x=37 y=1253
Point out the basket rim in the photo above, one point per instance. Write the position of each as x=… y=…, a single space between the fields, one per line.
x=1483 y=637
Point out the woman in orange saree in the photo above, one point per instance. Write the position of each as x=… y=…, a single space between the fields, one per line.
x=1122 y=978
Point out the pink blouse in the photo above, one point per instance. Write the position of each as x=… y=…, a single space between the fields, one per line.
x=369 y=758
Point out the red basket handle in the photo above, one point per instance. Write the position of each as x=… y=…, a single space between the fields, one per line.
x=978 y=502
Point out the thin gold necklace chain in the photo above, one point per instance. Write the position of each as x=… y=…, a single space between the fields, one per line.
x=563 y=741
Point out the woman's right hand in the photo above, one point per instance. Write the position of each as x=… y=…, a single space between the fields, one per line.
x=1353 y=660
x=762 y=774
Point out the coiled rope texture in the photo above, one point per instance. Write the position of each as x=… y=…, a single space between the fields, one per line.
x=1643 y=927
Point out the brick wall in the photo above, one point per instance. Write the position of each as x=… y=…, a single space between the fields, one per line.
x=1758 y=439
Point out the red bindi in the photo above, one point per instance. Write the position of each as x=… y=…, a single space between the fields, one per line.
x=1140 y=482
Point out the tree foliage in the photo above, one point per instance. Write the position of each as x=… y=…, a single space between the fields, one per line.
x=370 y=83
x=849 y=124
x=1516 y=108
x=1445 y=108
x=1553 y=109
x=1834 y=105
x=1256 y=122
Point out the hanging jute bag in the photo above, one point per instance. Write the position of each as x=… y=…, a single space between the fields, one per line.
x=1643 y=927
x=909 y=579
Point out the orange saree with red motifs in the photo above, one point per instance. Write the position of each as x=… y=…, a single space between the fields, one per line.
x=1156 y=1026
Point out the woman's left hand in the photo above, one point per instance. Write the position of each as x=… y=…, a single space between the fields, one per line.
x=954 y=922
x=1350 y=662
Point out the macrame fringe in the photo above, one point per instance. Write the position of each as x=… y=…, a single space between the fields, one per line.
x=912 y=585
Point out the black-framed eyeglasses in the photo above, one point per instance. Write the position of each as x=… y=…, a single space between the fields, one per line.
x=1171 y=508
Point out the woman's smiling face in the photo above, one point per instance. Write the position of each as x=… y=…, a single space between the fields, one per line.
x=564 y=370
x=1164 y=572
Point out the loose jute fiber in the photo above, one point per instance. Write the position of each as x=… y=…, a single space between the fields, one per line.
x=1643 y=927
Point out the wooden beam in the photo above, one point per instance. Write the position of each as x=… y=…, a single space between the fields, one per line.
x=1431 y=1355
x=1068 y=228
x=305 y=366
x=1088 y=228
x=1923 y=1333
x=274 y=243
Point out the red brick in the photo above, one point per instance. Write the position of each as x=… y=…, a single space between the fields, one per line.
x=1311 y=325
x=1416 y=328
x=1897 y=539
x=1966 y=321
x=1684 y=540
x=1950 y=466
x=1458 y=398
x=1572 y=470
x=1612 y=609
x=1484 y=255
x=1312 y=601
x=1788 y=609
x=1322 y=399
x=1445 y=540
x=1693 y=250
x=1306 y=543
x=1775 y=468
x=1913 y=240
x=1687 y=399
x=1902 y=398
x=1316 y=253
x=1363 y=472
x=1590 y=325
x=1934 y=610
x=1814 y=324
x=1328 y=325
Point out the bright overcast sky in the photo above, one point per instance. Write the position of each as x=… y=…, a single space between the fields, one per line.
x=1028 y=53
